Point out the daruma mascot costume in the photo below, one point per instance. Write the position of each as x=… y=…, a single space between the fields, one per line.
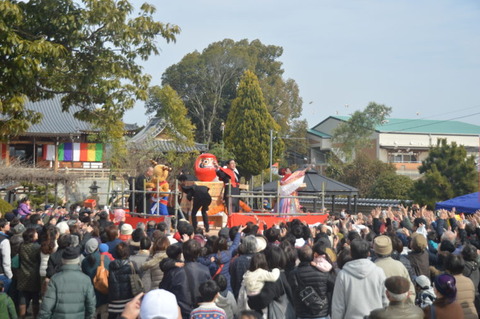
x=160 y=174
x=205 y=167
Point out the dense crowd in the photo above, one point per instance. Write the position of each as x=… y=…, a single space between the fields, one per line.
x=391 y=263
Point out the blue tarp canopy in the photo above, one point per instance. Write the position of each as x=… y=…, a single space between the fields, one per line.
x=463 y=204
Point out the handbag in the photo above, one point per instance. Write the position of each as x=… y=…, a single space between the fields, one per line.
x=100 y=281
x=136 y=283
x=15 y=261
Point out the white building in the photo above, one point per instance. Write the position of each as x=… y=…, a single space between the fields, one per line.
x=402 y=142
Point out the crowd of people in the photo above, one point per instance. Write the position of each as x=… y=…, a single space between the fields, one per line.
x=391 y=263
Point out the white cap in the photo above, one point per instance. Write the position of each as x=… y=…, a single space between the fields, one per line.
x=159 y=304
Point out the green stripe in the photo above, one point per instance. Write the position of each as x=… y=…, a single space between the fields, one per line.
x=98 y=152
x=60 y=152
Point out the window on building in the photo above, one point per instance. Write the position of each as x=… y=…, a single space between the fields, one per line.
x=402 y=158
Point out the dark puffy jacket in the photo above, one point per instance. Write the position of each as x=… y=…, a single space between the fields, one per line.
x=420 y=263
x=119 y=287
x=270 y=291
x=69 y=295
x=238 y=266
x=322 y=282
x=184 y=283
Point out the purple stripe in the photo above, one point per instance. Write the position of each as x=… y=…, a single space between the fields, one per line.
x=68 y=152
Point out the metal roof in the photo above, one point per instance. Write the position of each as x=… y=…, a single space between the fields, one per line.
x=146 y=139
x=318 y=133
x=394 y=125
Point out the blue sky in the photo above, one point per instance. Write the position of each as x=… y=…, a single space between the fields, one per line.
x=422 y=58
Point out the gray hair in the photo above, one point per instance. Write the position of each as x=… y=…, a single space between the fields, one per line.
x=249 y=244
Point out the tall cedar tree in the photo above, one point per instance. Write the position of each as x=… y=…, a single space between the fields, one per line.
x=247 y=130
x=448 y=172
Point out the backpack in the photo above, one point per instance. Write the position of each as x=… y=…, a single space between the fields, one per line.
x=100 y=281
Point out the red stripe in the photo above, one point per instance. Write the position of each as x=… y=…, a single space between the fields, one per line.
x=3 y=147
x=163 y=201
x=83 y=152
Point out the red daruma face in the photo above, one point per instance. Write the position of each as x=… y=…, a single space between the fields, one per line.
x=204 y=167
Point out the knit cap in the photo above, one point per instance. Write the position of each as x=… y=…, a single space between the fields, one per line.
x=423 y=281
x=103 y=248
x=91 y=245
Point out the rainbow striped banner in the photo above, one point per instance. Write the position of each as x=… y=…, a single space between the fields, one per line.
x=80 y=152
x=3 y=150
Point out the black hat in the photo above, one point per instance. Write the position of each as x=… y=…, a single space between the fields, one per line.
x=71 y=253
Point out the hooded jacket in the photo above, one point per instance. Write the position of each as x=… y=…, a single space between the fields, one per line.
x=359 y=289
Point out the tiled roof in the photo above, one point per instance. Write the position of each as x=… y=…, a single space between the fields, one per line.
x=54 y=121
x=395 y=125
x=146 y=139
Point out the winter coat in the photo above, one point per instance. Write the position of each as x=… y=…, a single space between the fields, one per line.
x=224 y=257
x=359 y=289
x=29 y=274
x=466 y=296
x=271 y=291
x=393 y=267
x=91 y=270
x=444 y=310
x=227 y=302
x=307 y=275
x=69 y=295
x=238 y=266
x=420 y=263
x=152 y=274
x=7 y=307
x=184 y=282
x=398 y=309
x=119 y=287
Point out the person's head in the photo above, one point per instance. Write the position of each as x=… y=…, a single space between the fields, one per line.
x=419 y=243
x=160 y=244
x=29 y=236
x=220 y=244
x=71 y=256
x=64 y=241
x=382 y=245
x=352 y=235
x=422 y=282
x=397 y=288
x=119 y=215
x=149 y=171
x=397 y=244
x=343 y=257
x=469 y=253
x=138 y=234
x=91 y=246
x=231 y=164
x=258 y=261
x=191 y=250
x=446 y=247
x=4 y=225
x=208 y=290
x=445 y=286
x=248 y=245
x=221 y=281
x=174 y=252
x=305 y=254
x=185 y=228
x=159 y=304
x=122 y=250
x=275 y=257
x=145 y=243
x=162 y=226
x=359 y=249
x=112 y=232
x=454 y=264
x=35 y=219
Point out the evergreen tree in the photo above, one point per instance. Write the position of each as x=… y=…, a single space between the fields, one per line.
x=247 y=130
x=448 y=172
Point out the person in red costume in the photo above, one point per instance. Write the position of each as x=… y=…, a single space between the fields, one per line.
x=230 y=177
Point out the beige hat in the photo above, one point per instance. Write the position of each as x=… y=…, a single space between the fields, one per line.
x=126 y=229
x=382 y=245
x=261 y=243
x=419 y=242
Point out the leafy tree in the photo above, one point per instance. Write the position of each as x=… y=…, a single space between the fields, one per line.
x=207 y=83
x=247 y=130
x=86 y=51
x=391 y=186
x=222 y=153
x=170 y=107
x=447 y=172
x=296 y=143
x=355 y=134
x=361 y=173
